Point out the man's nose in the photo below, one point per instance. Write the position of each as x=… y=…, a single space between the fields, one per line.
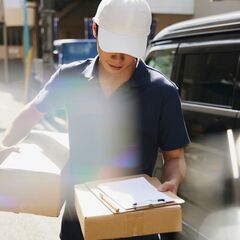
x=118 y=56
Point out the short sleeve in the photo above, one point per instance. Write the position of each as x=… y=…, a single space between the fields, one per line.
x=51 y=97
x=172 y=131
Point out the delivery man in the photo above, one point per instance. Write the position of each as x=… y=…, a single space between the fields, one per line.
x=120 y=111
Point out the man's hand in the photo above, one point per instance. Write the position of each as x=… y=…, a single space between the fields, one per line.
x=21 y=125
x=5 y=151
x=168 y=186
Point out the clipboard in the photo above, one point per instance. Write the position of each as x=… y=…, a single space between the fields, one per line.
x=134 y=193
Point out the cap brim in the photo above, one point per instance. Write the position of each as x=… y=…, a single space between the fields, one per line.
x=132 y=45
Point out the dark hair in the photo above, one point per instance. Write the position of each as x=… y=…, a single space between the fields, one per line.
x=97 y=30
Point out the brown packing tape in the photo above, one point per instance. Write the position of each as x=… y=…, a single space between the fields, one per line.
x=135 y=224
x=145 y=226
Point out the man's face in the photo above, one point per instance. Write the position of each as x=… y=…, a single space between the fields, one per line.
x=116 y=63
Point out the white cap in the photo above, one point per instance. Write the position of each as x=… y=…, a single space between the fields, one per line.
x=124 y=26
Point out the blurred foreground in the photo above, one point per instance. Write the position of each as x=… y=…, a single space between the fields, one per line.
x=21 y=226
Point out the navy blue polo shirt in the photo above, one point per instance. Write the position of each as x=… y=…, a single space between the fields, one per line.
x=122 y=132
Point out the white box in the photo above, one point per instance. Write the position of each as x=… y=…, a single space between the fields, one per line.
x=30 y=181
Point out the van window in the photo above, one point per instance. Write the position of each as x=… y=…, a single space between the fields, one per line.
x=163 y=61
x=209 y=77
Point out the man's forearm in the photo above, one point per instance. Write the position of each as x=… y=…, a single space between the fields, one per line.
x=21 y=125
x=174 y=170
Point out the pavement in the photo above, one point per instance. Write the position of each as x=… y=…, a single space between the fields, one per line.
x=22 y=226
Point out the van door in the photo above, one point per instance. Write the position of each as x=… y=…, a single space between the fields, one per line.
x=207 y=79
x=162 y=57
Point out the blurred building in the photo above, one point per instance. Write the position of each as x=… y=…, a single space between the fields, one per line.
x=11 y=36
x=204 y=8
x=57 y=19
x=11 y=28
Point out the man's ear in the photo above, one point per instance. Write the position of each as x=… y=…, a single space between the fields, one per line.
x=94 y=29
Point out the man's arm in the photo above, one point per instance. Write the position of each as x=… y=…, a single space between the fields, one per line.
x=174 y=170
x=21 y=125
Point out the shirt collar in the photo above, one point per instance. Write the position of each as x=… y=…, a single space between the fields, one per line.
x=140 y=77
x=91 y=71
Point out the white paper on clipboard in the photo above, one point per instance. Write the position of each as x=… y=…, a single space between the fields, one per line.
x=134 y=193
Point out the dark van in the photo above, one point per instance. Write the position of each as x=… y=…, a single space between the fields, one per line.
x=202 y=56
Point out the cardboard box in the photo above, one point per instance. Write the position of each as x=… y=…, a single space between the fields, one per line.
x=99 y=222
x=30 y=181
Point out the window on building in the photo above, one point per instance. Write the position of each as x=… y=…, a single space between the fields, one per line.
x=209 y=78
x=15 y=36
